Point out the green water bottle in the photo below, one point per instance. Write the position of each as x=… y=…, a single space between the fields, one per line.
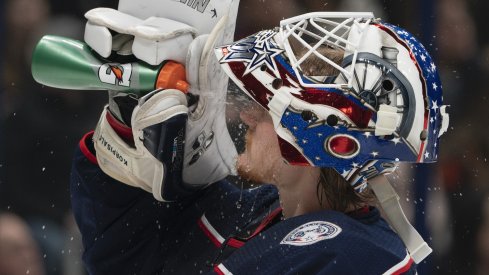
x=66 y=63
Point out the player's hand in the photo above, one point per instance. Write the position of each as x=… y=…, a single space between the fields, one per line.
x=210 y=154
x=154 y=161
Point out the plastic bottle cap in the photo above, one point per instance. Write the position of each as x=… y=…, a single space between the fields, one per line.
x=172 y=76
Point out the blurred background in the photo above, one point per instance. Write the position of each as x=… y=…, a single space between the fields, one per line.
x=39 y=128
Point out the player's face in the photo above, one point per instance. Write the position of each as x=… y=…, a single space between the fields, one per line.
x=262 y=155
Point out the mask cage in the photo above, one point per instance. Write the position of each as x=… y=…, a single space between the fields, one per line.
x=318 y=37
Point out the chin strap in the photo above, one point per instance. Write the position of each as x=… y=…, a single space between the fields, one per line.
x=389 y=202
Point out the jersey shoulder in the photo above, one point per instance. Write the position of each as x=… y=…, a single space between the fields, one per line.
x=326 y=242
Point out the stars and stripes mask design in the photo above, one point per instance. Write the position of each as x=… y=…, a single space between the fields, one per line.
x=378 y=104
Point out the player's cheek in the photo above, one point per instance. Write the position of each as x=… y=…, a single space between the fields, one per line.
x=248 y=118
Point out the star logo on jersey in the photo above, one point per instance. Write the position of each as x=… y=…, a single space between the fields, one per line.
x=311 y=232
x=255 y=50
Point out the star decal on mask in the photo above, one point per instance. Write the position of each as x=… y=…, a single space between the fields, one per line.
x=255 y=50
x=396 y=140
x=434 y=105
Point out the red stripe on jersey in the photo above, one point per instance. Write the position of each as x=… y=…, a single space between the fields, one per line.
x=218 y=271
x=266 y=221
x=232 y=242
x=404 y=268
x=84 y=148
x=208 y=233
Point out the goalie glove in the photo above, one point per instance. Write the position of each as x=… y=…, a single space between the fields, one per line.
x=154 y=163
x=210 y=154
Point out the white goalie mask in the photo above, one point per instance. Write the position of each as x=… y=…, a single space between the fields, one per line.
x=378 y=103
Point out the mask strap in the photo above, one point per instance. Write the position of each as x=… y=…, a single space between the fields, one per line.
x=389 y=201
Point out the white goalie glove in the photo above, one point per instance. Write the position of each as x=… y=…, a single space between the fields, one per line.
x=210 y=154
x=154 y=163
x=163 y=127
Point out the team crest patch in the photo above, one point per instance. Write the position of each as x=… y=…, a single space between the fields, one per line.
x=311 y=232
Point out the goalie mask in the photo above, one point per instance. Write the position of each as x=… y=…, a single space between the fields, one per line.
x=344 y=90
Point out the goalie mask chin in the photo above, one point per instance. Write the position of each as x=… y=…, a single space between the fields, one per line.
x=344 y=90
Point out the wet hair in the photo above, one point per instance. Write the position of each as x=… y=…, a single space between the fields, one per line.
x=336 y=193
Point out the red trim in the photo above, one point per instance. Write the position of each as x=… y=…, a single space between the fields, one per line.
x=120 y=128
x=360 y=116
x=364 y=210
x=291 y=154
x=84 y=148
x=266 y=221
x=420 y=151
x=253 y=86
x=404 y=268
x=232 y=242
x=213 y=239
x=218 y=271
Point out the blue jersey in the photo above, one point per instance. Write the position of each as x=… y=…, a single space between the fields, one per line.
x=222 y=230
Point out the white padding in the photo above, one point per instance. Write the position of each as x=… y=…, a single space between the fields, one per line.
x=278 y=104
x=113 y=19
x=155 y=39
x=99 y=39
x=200 y=14
x=445 y=120
x=387 y=120
x=158 y=28
x=159 y=39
